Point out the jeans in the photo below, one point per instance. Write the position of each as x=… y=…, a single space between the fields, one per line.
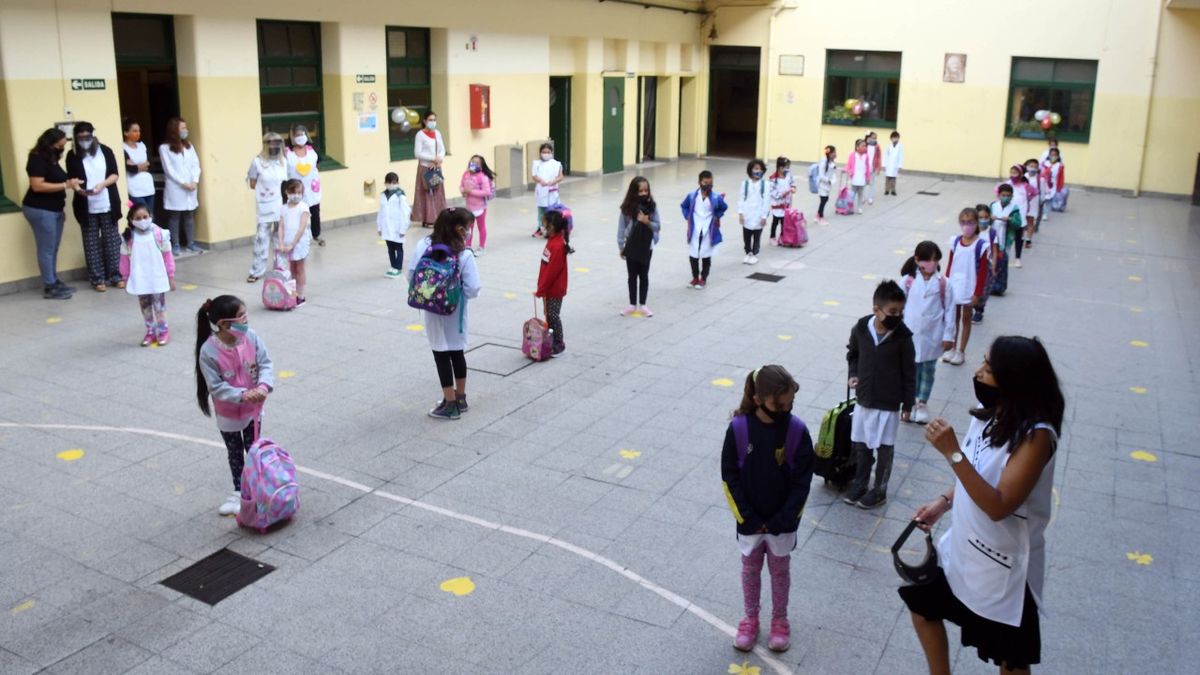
x=925 y=373
x=189 y=228
x=147 y=202
x=554 y=320
x=102 y=248
x=752 y=239
x=237 y=444
x=395 y=255
x=47 y=229
x=698 y=271
x=451 y=366
x=639 y=280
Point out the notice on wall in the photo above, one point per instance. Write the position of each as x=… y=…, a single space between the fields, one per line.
x=88 y=84
x=791 y=64
x=368 y=123
x=364 y=78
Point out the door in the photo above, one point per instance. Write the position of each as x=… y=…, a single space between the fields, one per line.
x=648 y=113
x=733 y=101
x=614 y=125
x=560 y=120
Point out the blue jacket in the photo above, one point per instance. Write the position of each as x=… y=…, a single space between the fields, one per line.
x=719 y=207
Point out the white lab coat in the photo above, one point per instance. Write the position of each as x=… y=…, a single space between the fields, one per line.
x=180 y=168
x=893 y=160
x=754 y=204
x=392 y=220
x=928 y=315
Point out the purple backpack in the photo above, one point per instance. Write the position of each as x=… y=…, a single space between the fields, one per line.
x=269 y=489
x=791 y=443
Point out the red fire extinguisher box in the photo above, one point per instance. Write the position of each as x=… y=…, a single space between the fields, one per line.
x=481 y=106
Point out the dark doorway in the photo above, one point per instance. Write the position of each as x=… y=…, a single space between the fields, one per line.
x=647 y=113
x=560 y=120
x=733 y=101
x=613 y=142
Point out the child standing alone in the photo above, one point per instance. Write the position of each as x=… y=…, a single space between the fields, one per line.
x=478 y=188
x=234 y=370
x=294 y=234
x=766 y=467
x=148 y=268
x=754 y=209
x=552 y=275
x=929 y=314
x=702 y=211
x=882 y=365
x=392 y=222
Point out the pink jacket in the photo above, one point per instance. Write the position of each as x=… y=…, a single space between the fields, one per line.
x=476 y=189
x=853 y=164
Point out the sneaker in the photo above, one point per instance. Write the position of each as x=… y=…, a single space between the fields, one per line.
x=164 y=336
x=195 y=248
x=557 y=352
x=61 y=286
x=694 y=283
x=859 y=212
x=462 y=403
x=753 y=259
x=56 y=293
x=481 y=252
x=773 y=241
x=1017 y=263
x=870 y=201
x=873 y=499
x=921 y=414
x=854 y=494
x=536 y=233
x=301 y=301
x=233 y=504
x=148 y=339
x=1028 y=244
x=747 y=634
x=320 y=241
x=1045 y=217
x=780 y=630
x=631 y=309
x=948 y=356
x=822 y=221
x=392 y=273
x=646 y=311
x=175 y=252
x=977 y=317
x=959 y=358
x=746 y=259
x=702 y=284
x=446 y=411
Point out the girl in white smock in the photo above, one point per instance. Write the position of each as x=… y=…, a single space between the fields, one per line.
x=753 y=209
x=302 y=163
x=267 y=172
x=149 y=272
x=547 y=173
x=294 y=235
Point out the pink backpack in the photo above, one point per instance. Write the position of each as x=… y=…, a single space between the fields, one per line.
x=794 y=233
x=537 y=340
x=279 y=289
x=269 y=489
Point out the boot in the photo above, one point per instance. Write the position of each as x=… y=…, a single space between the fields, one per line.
x=862 y=473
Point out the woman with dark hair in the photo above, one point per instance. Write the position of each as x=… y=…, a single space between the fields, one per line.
x=429 y=199
x=992 y=560
x=138 y=180
x=637 y=233
x=448 y=333
x=181 y=171
x=97 y=206
x=44 y=205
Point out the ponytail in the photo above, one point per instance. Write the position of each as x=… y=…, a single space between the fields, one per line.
x=909 y=269
x=765 y=383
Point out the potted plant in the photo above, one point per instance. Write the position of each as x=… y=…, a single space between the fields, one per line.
x=839 y=115
x=1027 y=129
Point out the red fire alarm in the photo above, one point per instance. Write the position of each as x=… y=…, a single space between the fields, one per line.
x=481 y=106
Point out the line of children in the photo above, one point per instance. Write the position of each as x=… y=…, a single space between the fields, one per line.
x=148 y=268
x=783 y=188
x=754 y=208
x=637 y=232
x=552 y=274
x=478 y=187
x=702 y=211
x=929 y=311
x=294 y=235
x=392 y=222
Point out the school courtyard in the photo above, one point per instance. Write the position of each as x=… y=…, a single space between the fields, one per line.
x=573 y=521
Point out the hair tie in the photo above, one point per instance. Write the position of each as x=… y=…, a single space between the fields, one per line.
x=207 y=305
x=754 y=377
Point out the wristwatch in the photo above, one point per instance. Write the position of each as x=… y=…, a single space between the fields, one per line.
x=956 y=458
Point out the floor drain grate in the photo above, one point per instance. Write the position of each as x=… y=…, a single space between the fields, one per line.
x=927 y=193
x=218 y=576
x=763 y=276
x=495 y=359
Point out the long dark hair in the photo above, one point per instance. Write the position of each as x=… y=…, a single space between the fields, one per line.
x=484 y=168
x=766 y=382
x=445 y=228
x=44 y=147
x=926 y=250
x=554 y=219
x=127 y=235
x=219 y=308
x=629 y=205
x=1029 y=391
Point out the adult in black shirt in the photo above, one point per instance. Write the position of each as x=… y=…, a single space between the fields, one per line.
x=43 y=207
x=97 y=206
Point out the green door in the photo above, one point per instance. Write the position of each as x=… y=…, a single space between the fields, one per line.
x=614 y=124
x=560 y=120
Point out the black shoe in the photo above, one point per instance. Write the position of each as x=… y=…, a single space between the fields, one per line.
x=462 y=403
x=60 y=285
x=977 y=317
x=854 y=494
x=56 y=293
x=445 y=411
x=873 y=499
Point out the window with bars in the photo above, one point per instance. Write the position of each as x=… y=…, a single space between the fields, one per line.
x=408 y=84
x=289 y=80
x=871 y=79
x=1065 y=87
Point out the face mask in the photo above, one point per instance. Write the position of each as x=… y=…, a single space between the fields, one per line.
x=473 y=167
x=301 y=139
x=431 y=125
x=1005 y=200
x=274 y=150
x=927 y=266
x=135 y=136
x=706 y=189
x=968 y=229
x=756 y=174
x=547 y=156
x=294 y=198
x=84 y=143
x=890 y=322
x=987 y=394
x=871 y=142
x=239 y=328
x=142 y=224
x=777 y=416
x=183 y=134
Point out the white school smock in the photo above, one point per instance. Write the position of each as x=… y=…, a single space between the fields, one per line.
x=96 y=169
x=268 y=196
x=547 y=195
x=961 y=276
x=859 y=177
x=290 y=217
x=778 y=545
x=700 y=245
x=392 y=220
x=147 y=269
x=999 y=227
x=180 y=168
x=873 y=151
x=304 y=169
x=928 y=315
x=778 y=187
x=871 y=426
x=443 y=331
x=140 y=184
x=754 y=204
x=988 y=563
x=1020 y=198
x=893 y=160
x=826 y=175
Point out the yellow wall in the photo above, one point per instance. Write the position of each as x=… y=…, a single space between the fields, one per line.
x=1174 y=137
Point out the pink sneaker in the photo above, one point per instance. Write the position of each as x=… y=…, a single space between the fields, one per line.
x=746 y=635
x=628 y=310
x=164 y=337
x=646 y=311
x=780 y=630
x=149 y=339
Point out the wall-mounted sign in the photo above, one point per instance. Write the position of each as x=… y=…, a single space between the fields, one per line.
x=368 y=78
x=791 y=64
x=88 y=84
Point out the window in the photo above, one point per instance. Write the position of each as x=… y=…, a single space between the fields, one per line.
x=869 y=78
x=407 y=84
x=289 y=80
x=1063 y=86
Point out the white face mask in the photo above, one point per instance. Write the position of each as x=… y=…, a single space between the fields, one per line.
x=547 y=156
x=183 y=134
x=295 y=198
x=301 y=139
x=85 y=144
x=142 y=224
x=431 y=125
x=391 y=186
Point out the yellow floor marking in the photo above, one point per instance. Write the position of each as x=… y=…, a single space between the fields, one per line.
x=1139 y=343
x=524 y=210
x=869 y=277
x=743 y=669
x=28 y=604
x=188 y=287
x=900 y=251
x=1136 y=310
x=1138 y=390
x=510 y=296
x=1143 y=456
x=1131 y=241
x=415 y=327
x=939 y=221
x=1140 y=558
x=631 y=454
x=1134 y=278
x=785 y=338
x=582 y=270
x=831 y=303
x=54 y=319
x=286 y=374
x=1130 y=217
x=722 y=382
x=381 y=242
x=70 y=455
x=154 y=345
x=458 y=586
x=179 y=489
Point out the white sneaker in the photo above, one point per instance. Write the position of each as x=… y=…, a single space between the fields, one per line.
x=921 y=414
x=859 y=212
x=481 y=251
x=628 y=311
x=746 y=259
x=753 y=259
x=870 y=201
x=232 y=505
x=645 y=311
x=959 y=358
x=948 y=356
x=1017 y=263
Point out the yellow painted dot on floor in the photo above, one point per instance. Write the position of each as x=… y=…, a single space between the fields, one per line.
x=901 y=251
x=179 y=489
x=189 y=287
x=54 y=319
x=582 y=270
x=458 y=586
x=415 y=327
x=524 y=210
x=1130 y=217
x=939 y=221
x=722 y=382
x=744 y=668
x=1133 y=277
x=1138 y=390
x=1136 y=310
x=28 y=604
x=286 y=374
x=1140 y=558
x=510 y=296
x=785 y=338
x=631 y=454
x=154 y=345
x=831 y=303
x=1143 y=456
x=381 y=243
x=70 y=455
x=1131 y=241
x=1139 y=343
x=869 y=277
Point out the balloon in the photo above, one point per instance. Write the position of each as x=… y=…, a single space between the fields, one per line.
x=1047 y=123
x=866 y=106
x=1055 y=118
x=400 y=117
x=850 y=103
x=1041 y=115
x=414 y=117
x=858 y=108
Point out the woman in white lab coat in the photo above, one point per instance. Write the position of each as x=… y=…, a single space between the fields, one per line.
x=181 y=171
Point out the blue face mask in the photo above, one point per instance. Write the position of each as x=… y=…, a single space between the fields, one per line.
x=239 y=328
x=473 y=167
x=757 y=174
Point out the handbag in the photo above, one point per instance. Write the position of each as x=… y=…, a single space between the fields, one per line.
x=433 y=178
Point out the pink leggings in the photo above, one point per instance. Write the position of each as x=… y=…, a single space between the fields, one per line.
x=781 y=581
x=481 y=225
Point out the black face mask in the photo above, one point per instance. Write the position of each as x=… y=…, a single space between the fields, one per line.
x=777 y=416
x=891 y=322
x=706 y=189
x=987 y=394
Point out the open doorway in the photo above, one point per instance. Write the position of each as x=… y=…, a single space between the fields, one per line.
x=560 y=120
x=647 y=114
x=733 y=101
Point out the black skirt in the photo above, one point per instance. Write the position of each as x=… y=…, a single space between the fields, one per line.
x=1016 y=647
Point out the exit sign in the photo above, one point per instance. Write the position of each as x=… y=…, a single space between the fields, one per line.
x=364 y=79
x=88 y=84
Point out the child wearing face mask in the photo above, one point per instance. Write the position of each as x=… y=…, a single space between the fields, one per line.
x=929 y=314
x=827 y=177
x=478 y=187
x=875 y=159
x=882 y=371
x=234 y=370
x=702 y=211
x=148 y=268
x=547 y=174
x=392 y=222
x=753 y=209
x=859 y=171
x=984 y=214
x=265 y=176
x=1024 y=196
x=294 y=234
x=766 y=468
x=967 y=278
x=783 y=187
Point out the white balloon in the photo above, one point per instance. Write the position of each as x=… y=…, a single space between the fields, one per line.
x=399 y=115
x=1041 y=115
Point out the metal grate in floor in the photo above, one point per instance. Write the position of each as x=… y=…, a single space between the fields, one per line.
x=218 y=576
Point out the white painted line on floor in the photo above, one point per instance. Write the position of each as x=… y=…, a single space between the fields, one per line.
x=683 y=603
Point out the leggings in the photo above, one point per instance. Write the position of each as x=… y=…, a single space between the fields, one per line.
x=781 y=581
x=554 y=320
x=314 y=220
x=154 y=312
x=751 y=239
x=237 y=444
x=639 y=280
x=776 y=222
x=481 y=225
x=699 y=272
x=451 y=366
x=189 y=228
x=821 y=206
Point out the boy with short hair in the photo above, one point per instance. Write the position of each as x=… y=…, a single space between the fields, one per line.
x=392 y=222
x=702 y=211
x=893 y=160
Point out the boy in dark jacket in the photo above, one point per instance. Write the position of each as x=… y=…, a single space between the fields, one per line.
x=883 y=372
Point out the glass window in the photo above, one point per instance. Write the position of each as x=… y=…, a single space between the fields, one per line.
x=1064 y=87
x=407 y=84
x=869 y=79
x=289 y=79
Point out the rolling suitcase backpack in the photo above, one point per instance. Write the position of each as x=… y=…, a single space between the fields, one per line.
x=842 y=206
x=537 y=339
x=794 y=233
x=835 y=458
x=279 y=288
x=270 y=493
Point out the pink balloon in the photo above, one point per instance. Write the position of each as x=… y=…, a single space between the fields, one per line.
x=858 y=109
x=1047 y=123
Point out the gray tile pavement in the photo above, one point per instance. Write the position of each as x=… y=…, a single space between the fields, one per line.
x=83 y=543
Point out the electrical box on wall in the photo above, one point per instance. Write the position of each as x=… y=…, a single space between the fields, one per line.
x=481 y=106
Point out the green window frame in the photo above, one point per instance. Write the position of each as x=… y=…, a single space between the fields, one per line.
x=6 y=204
x=1065 y=86
x=408 y=83
x=873 y=77
x=290 y=82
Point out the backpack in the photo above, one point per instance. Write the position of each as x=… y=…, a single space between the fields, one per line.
x=436 y=285
x=978 y=250
x=842 y=206
x=270 y=492
x=279 y=289
x=537 y=338
x=1058 y=203
x=908 y=282
x=794 y=233
x=762 y=188
x=791 y=443
x=814 y=172
x=835 y=457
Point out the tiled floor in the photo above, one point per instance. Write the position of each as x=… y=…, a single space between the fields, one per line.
x=1110 y=286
